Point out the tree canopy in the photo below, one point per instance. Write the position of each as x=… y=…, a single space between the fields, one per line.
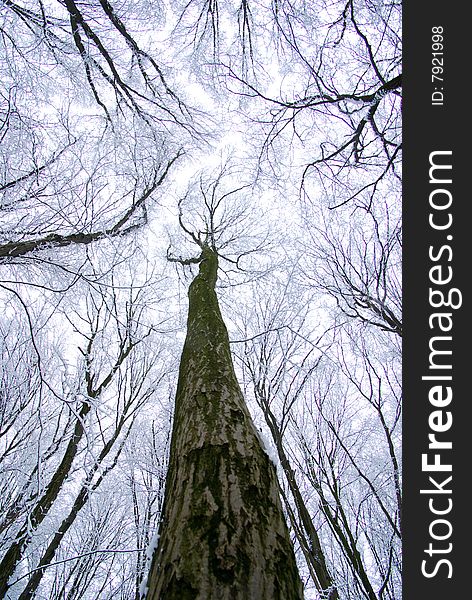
x=132 y=136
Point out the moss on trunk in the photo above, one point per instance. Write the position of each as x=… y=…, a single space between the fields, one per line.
x=223 y=534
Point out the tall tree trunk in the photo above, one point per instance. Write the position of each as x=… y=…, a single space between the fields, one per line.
x=223 y=535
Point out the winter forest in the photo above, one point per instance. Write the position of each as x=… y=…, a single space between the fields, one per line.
x=200 y=284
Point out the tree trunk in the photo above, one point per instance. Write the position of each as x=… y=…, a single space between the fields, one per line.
x=223 y=535
x=313 y=553
x=79 y=502
x=44 y=503
x=41 y=509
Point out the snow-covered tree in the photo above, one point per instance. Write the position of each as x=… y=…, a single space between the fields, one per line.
x=281 y=270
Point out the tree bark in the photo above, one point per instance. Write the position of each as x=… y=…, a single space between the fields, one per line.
x=223 y=535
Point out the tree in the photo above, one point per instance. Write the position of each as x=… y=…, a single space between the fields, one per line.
x=223 y=532
x=301 y=281
x=52 y=230
x=115 y=379
x=360 y=271
x=330 y=401
x=89 y=130
x=95 y=52
x=342 y=92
